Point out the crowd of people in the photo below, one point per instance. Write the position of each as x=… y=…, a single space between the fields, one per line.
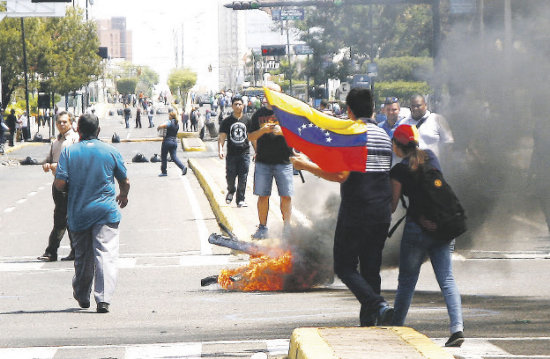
x=398 y=148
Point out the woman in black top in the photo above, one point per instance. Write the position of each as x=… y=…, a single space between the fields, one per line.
x=417 y=241
x=170 y=144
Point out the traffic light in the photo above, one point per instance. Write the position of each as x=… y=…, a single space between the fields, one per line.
x=245 y=5
x=273 y=50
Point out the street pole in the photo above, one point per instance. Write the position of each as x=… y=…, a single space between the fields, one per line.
x=87 y=10
x=26 y=75
x=435 y=48
x=288 y=57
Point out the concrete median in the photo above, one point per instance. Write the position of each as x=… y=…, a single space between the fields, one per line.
x=363 y=343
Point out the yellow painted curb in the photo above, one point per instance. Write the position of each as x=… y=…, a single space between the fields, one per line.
x=422 y=343
x=188 y=148
x=222 y=213
x=188 y=134
x=307 y=343
x=152 y=139
x=349 y=342
x=25 y=144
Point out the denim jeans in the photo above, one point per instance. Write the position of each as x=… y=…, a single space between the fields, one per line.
x=169 y=145
x=361 y=245
x=415 y=246
x=237 y=167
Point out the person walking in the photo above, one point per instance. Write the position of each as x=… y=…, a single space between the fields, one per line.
x=89 y=169
x=364 y=215
x=417 y=242
x=272 y=161
x=150 y=113
x=138 y=117
x=66 y=137
x=11 y=121
x=127 y=114
x=170 y=145
x=237 y=162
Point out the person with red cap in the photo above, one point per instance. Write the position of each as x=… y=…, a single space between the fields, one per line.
x=417 y=242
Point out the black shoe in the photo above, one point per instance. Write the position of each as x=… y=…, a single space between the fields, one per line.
x=229 y=198
x=455 y=340
x=70 y=257
x=102 y=307
x=81 y=304
x=46 y=257
x=385 y=315
x=184 y=171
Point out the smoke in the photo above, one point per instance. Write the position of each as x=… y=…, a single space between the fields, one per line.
x=498 y=90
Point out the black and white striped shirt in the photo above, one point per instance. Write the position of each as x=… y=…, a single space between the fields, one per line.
x=379 y=148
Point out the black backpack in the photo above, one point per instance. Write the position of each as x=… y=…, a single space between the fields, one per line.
x=439 y=204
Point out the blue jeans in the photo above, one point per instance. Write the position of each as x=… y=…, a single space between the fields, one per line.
x=237 y=167
x=415 y=245
x=169 y=145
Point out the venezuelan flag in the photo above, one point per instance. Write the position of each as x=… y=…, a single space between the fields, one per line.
x=333 y=144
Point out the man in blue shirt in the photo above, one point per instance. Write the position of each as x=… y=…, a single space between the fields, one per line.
x=392 y=109
x=88 y=169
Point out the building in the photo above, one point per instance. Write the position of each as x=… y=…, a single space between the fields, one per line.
x=112 y=34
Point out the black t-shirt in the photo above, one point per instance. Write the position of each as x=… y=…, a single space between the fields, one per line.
x=366 y=199
x=402 y=173
x=237 y=135
x=271 y=148
x=11 y=121
x=127 y=113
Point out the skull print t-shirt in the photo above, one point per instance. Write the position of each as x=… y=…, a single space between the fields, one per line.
x=237 y=136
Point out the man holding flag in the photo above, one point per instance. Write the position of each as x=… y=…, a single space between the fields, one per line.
x=357 y=154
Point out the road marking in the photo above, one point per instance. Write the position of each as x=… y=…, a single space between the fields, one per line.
x=9 y=209
x=482 y=348
x=30 y=264
x=22 y=200
x=183 y=350
x=206 y=248
x=180 y=350
x=33 y=193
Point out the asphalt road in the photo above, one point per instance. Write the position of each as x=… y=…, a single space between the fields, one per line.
x=160 y=309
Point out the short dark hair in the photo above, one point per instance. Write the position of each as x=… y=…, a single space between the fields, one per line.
x=87 y=126
x=63 y=113
x=417 y=96
x=236 y=98
x=359 y=101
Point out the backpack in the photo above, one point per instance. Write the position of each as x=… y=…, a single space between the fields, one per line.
x=439 y=204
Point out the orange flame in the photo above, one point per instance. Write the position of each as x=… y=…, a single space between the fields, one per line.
x=263 y=273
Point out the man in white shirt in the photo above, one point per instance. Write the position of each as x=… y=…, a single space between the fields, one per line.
x=67 y=136
x=433 y=128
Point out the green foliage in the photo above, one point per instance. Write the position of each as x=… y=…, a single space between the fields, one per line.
x=61 y=53
x=126 y=86
x=146 y=77
x=404 y=68
x=400 y=89
x=180 y=81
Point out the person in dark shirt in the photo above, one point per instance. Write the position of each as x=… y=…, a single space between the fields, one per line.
x=11 y=121
x=170 y=145
x=417 y=242
x=364 y=215
x=234 y=130
x=272 y=161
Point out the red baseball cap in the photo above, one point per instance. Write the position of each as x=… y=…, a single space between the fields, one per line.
x=405 y=134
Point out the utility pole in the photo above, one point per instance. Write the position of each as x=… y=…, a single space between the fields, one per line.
x=288 y=57
x=26 y=76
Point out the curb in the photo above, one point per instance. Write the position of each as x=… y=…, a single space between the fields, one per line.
x=364 y=342
x=188 y=147
x=17 y=147
x=221 y=212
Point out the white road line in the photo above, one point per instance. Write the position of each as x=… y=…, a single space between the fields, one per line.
x=9 y=209
x=28 y=353
x=277 y=346
x=482 y=348
x=128 y=135
x=206 y=248
x=33 y=193
x=22 y=200
x=154 y=351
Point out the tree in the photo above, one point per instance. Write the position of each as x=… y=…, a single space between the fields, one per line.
x=127 y=85
x=180 y=81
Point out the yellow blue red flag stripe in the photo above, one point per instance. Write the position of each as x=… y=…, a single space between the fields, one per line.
x=333 y=144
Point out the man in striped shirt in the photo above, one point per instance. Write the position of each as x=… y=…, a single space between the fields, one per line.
x=365 y=214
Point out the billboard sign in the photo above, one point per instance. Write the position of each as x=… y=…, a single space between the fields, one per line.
x=26 y=8
x=287 y=14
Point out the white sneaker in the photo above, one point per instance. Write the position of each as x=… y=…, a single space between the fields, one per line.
x=242 y=204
